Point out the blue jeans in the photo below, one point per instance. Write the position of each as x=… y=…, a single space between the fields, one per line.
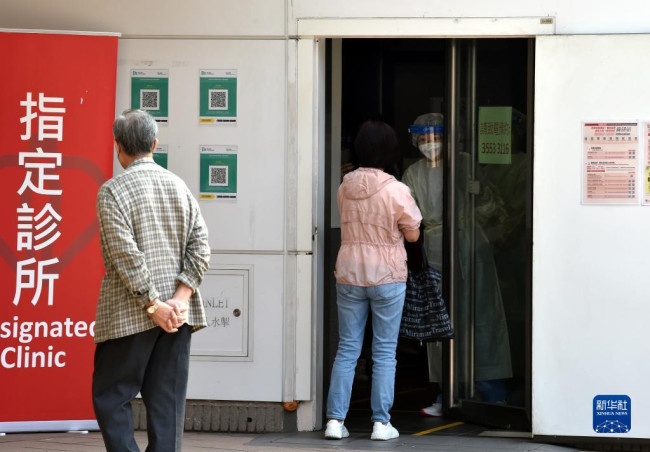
x=385 y=302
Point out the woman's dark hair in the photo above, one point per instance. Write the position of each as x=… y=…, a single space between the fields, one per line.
x=376 y=145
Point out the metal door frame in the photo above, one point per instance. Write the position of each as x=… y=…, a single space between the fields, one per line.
x=310 y=109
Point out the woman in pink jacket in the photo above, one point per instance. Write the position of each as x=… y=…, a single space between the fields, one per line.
x=377 y=214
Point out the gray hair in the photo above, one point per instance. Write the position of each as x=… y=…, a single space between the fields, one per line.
x=135 y=131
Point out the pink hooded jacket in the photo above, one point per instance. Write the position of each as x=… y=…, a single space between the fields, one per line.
x=375 y=207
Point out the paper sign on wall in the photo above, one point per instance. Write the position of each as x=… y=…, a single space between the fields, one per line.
x=218 y=96
x=160 y=155
x=150 y=92
x=610 y=163
x=646 y=160
x=218 y=172
x=495 y=135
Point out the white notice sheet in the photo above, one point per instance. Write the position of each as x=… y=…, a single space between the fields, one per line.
x=610 y=163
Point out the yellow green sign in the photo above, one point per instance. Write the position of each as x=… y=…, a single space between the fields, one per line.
x=218 y=96
x=150 y=92
x=495 y=135
x=160 y=155
x=218 y=172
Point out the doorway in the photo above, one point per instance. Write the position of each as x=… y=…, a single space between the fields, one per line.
x=477 y=216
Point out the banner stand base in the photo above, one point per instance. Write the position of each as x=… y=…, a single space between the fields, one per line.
x=73 y=426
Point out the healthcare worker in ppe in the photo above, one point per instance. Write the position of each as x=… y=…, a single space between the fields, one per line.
x=492 y=348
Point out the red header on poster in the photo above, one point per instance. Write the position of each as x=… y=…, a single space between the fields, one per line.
x=57 y=109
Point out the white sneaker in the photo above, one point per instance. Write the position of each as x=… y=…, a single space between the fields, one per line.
x=336 y=430
x=434 y=410
x=383 y=432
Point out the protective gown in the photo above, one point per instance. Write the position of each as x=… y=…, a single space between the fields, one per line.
x=492 y=347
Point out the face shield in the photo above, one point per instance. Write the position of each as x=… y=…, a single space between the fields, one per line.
x=429 y=140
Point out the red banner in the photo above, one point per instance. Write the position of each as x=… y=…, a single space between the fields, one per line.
x=56 y=109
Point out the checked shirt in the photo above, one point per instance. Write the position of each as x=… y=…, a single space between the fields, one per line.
x=152 y=236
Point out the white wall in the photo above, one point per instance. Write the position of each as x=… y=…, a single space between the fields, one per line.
x=269 y=17
x=251 y=230
x=256 y=220
x=572 y=16
x=590 y=278
x=149 y=17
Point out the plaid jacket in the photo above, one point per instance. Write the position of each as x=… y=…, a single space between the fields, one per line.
x=152 y=235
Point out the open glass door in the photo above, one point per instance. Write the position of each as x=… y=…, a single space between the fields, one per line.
x=489 y=206
x=477 y=235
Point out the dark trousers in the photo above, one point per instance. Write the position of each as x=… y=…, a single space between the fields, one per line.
x=155 y=364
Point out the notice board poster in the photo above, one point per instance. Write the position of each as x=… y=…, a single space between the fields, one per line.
x=150 y=92
x=610 y=163
x=57 y=110
x=646 y=165
x=218 y=97
x=218 y=173
x=495 y=135
x=160 y=155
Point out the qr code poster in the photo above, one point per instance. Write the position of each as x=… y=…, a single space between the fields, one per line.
x=218 y=178
x=149 y=99
x=160 y=155
x=150 y=92
x=218 y=96
x=218 y=99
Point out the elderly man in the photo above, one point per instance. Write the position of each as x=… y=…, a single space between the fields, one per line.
x=155 y=247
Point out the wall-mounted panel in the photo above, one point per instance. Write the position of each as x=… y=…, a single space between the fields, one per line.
x=259 y=376
x=226 y=292
x=590 y=305
x=255 y=219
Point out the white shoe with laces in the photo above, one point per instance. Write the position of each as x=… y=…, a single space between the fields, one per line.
x=336 y=430
x=383 y=432
x=434 y=410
